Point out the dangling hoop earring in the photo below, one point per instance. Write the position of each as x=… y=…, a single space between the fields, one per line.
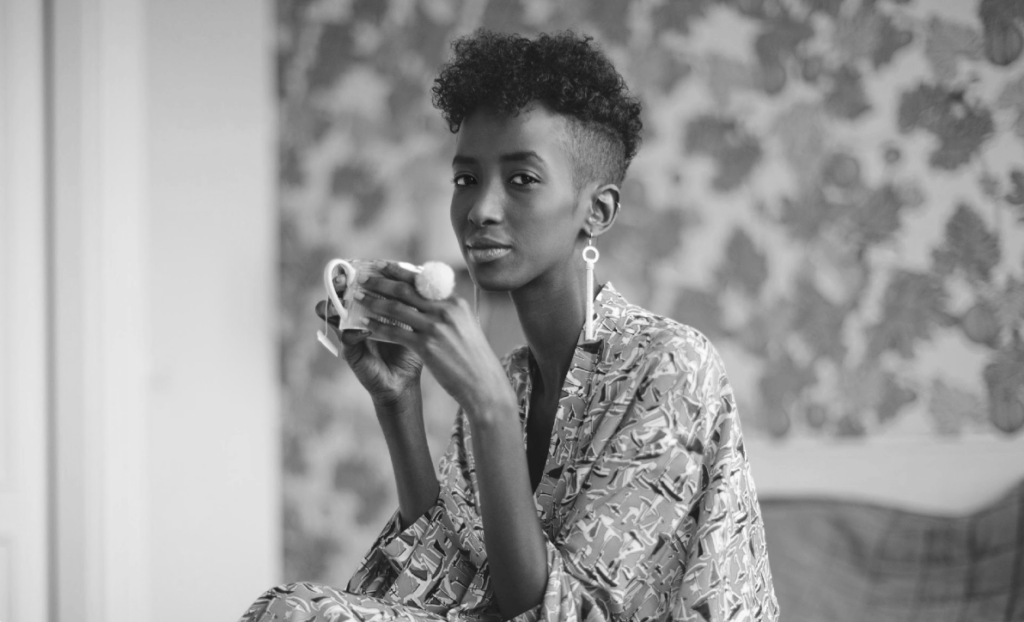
x=476 y=303
x=590 y=256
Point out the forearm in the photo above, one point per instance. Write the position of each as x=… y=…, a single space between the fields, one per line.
x=512 y=531
x=402 y=425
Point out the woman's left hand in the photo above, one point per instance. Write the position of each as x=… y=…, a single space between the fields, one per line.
x=446 y=336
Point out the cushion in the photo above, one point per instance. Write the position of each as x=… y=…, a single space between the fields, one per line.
x=836 y=560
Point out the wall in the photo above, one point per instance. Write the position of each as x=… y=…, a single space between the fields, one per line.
x=832 y=191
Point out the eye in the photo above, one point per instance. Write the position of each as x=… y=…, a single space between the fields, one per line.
x=523 y=179
x=463 y=180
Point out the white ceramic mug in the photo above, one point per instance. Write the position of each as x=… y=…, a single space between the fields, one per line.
x=351 y=311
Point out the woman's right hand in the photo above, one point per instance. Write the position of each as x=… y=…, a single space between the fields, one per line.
x=387 y=370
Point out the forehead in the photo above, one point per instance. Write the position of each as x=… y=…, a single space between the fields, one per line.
x=487 y=135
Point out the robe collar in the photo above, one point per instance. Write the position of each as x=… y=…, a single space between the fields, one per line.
x=610 y=308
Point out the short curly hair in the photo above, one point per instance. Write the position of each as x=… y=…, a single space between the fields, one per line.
x=565 y=72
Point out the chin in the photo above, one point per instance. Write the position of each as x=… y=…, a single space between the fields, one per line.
x=498 y=283
x=492 y=278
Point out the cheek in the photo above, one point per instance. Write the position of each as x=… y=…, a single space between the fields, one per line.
x=457 y=215
x=553 y=221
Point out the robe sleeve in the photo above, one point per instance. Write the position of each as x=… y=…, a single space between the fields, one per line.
x=668 y=525
x=431 y=562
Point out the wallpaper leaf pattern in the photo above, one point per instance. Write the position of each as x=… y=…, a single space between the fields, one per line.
x=831 y=190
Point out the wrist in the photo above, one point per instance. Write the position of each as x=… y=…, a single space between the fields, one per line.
x=406 y=400
x=495 y=410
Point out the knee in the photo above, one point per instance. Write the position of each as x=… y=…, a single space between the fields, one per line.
x=275 y=604
x=301 y=600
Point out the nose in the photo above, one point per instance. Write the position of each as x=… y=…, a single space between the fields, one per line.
x=488 y=206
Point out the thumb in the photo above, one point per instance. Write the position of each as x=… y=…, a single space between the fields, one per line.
x=354 y=337
x=355 y=347
x=325 y=311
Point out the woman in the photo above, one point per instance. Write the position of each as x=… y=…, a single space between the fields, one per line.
x=633 y=497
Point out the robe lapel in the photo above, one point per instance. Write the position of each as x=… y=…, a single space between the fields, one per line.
x=560 y=470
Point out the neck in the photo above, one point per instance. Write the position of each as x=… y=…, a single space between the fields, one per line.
x=552 y=315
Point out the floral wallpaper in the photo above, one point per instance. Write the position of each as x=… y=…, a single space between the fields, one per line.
x=833 y=191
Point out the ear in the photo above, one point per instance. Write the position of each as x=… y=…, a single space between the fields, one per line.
x=604 y=209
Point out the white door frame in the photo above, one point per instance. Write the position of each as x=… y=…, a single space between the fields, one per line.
x=23 y=403
x=98 y=295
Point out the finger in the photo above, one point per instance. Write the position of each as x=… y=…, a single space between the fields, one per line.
x=392 y=334
x=392 y=309
x=325 y=311
x=353 y=337
x=394 y=271
x=340 y=283
x=401 y=291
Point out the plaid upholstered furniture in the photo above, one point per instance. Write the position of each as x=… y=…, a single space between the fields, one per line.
x=840 y=561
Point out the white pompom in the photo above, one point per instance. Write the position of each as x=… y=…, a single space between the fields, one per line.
x=436 y=280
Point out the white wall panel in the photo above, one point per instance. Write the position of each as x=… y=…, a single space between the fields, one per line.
x=213 y=226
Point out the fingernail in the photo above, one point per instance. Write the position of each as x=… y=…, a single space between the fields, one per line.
x=359 y=295
x=365 y=321
x=380 y=264
x=362 y=278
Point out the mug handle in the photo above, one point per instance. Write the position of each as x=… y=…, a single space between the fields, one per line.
x=332 y=295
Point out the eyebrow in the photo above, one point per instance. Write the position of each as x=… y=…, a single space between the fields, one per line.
x=515 y=156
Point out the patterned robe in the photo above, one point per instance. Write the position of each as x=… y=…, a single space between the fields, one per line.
x=647 y=503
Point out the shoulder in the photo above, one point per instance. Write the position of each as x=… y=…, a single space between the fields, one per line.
x=678 y=372
x=665 y=344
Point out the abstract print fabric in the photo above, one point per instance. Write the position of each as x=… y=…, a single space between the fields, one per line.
x=647 y=503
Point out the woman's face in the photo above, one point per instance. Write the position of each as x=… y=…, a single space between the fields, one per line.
x=514 y=204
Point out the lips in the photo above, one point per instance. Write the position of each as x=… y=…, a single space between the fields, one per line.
x=486 y=243
x=483 y=250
